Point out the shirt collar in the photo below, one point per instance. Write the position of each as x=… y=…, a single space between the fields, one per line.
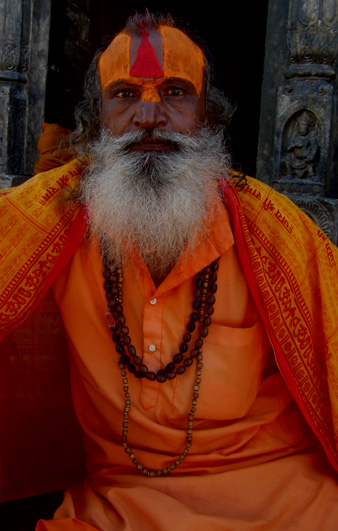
x=209 y=245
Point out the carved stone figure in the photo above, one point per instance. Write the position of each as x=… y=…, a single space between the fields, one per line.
x=301 y=148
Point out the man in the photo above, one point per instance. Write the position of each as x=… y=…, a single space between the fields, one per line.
x=175 y=289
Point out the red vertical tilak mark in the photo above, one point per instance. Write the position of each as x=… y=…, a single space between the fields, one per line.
x=146 y=63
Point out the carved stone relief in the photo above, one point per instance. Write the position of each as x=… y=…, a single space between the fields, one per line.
x=23 y=60
x=301 y=148
x=304 y=140
x=323 y=212
x=8 y=54
x=11 y=14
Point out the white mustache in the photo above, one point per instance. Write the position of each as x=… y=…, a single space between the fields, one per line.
x=178 y=141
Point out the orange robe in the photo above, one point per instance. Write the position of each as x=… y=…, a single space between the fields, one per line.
x=291 y=271
x=249 y=437
x=51 y=154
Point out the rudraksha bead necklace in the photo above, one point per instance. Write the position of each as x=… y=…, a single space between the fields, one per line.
x=203 y=308
x=204 y=298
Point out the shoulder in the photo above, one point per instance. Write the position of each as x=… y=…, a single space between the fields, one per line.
x=260 y=203
x=49 y=183
x=40 y=228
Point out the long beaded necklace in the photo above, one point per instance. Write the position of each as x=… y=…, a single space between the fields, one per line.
x=205 y=288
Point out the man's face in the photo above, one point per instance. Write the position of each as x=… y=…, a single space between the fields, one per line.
x=172 y=102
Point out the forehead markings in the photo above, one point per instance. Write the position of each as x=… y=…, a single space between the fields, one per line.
x=182 y=57
x=168 y=49
x=146 y=64
x=146 y=61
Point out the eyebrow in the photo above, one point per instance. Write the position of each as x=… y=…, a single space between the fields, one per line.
x=182 y=80
x=119 y=82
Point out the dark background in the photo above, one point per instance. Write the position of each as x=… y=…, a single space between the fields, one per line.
x=233 y=30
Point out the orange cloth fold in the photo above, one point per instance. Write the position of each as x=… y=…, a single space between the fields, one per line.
x=51 y=154
x=64 y=524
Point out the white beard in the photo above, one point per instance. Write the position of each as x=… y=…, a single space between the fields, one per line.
x=156 y=200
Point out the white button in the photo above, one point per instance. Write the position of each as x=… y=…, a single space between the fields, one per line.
x=152 y=348
x=153 y=301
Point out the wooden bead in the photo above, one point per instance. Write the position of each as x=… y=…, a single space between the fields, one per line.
x=183 y=348
x=204 y=332
x=194 y=317
x=125 y=359
x=196 y=305
x=198 y=283
x=143 y=369
x=178 y=358
x=116 y=337
x=119 y=348
x=213 y=288
x=199 y=343
x=190 y=327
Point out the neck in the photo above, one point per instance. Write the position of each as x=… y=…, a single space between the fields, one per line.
x=159 y=276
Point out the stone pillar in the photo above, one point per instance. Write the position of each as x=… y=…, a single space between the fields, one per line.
x=297 y=145
x=24 y=40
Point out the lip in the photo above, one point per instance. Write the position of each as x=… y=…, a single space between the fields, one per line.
x=151 y=144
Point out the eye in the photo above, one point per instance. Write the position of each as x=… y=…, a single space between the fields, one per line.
x=124 y=93
x=175 y=91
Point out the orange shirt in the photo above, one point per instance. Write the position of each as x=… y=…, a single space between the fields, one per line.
x=242 y=422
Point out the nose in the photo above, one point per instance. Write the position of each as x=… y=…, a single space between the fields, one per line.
x=149 y=115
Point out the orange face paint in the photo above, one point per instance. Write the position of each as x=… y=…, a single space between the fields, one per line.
x=140 y=60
